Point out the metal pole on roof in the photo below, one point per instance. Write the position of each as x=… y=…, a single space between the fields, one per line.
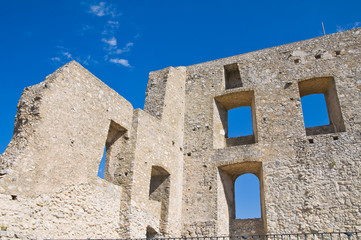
x=323 y=28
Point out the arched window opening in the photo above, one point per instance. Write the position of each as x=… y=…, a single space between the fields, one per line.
x=241 y=199
x=159 y=183
x=247 y=197
x=151 y=233
x=159 y=191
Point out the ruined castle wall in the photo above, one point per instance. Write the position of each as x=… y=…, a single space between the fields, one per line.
x=305 y=186
x=156 y=90
x=49 y=184
x=74 y=117
x=170 y=169
x=87 y=210
x=60 y=133
x=158 y=154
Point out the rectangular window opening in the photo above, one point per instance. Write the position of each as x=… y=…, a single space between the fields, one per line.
x=159 y=190
x=232 y=76
x=113 y=167
x=314 y=110
x=234 y=120
x=101 y=167
x=320 y=105
x=240 y=130
x=159 y=184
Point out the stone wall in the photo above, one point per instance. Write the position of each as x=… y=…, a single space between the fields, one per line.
x=246 y=227
x=76 y=211
x=170 y=169
x=310 y=182
x=60 y=132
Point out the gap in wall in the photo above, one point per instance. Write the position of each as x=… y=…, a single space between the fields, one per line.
x=247 y=196
x=326 y=87
x=232 y=76
x=240 y=122
x=314 y=110
x=101 y=168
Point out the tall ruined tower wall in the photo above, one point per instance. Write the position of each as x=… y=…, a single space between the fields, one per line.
x=170 y=169
x=310 y=178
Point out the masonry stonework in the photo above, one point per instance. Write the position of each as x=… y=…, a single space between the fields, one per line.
x=170 y=168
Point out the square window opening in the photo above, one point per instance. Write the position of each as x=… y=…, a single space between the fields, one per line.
x=159 y=190
x=240 y=122
x=314 y=110
x=320 y=105
x=232 y=76
x=234 y=120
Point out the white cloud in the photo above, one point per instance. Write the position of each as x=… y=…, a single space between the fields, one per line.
x=124 y=49
x=113 y=24
x=98 y=10
x=86 y=27
x=55 y=59
x=107 y=32
x=340 y=29
x=110 y=28
x=63 y=55
x=111 y=41
x=67 y=55
x=121 y=61
x=86 y=60
x=348 y=26
x=103 y=9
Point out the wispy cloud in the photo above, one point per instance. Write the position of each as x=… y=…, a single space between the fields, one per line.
x=348 y=26
x=86 y=60
x=110 y=28
x=55 y=59
x=103 y=9
x=64 y=56
x=124 y=49
x=67 y=55
x=109 y=35
x=113 y=24
x=121 y=61
x=112 y=42
x=84 y=29
x=112 y=49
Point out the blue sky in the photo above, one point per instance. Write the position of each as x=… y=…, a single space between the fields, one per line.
x=121 y=41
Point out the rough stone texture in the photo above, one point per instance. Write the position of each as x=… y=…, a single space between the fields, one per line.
x=170 y=169
x=247 y=226
x=77 y=211
x=60 y=131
